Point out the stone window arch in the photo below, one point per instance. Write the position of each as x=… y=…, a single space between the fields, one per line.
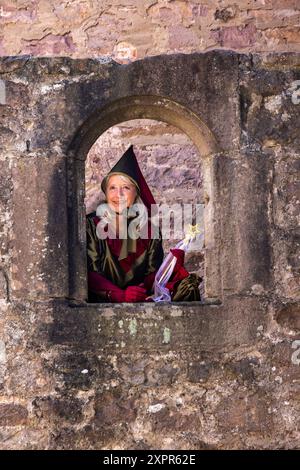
x=125 y=109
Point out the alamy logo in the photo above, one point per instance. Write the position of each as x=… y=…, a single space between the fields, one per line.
x=176 y=221
x=295 y=91
x=296 y=355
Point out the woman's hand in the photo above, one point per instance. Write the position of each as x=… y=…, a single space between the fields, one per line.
x=135 y=294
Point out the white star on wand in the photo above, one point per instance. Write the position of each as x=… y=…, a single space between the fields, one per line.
x=192 y=231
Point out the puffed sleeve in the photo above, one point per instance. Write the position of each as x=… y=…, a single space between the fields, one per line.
x=93 y=257
x=98 y=284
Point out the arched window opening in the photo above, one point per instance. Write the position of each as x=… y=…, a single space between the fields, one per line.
x=171 y=165
x=202 y=149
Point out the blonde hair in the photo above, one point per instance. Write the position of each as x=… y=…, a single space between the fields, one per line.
x=108 y=216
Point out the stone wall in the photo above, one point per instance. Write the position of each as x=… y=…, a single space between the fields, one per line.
x=131 y=30
x=134 y=29
x=221 y=374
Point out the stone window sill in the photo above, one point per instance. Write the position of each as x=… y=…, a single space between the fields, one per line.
x=156 y=305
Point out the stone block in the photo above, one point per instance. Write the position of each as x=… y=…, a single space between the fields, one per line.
x=167 y=419
x=111 y=408
x=236 y=37
x=40 y=255
x=243 y=185
x=286 y=192
x=248 y=414
x=286 y=249
x=62 y=409
x=269 y=106
x=12 y=414
x=199 y=372
x=289 y=316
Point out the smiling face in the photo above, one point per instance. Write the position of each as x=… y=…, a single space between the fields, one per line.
x=120 y=192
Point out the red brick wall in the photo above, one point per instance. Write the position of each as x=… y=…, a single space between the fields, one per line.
x=133 y=29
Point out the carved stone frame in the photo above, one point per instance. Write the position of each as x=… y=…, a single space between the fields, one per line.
x=125 y=109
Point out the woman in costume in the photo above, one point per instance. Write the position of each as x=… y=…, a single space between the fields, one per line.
x=123 y=268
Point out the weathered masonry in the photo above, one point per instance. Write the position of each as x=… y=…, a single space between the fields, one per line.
x=219 y=374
